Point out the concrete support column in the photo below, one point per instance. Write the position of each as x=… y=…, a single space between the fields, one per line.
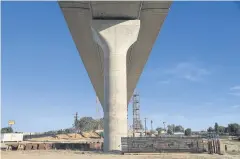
x=115 y=37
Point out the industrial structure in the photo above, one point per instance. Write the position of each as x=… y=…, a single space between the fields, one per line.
x=137 y=125
x=114 y=39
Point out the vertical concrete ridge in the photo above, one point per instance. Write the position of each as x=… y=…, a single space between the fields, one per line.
x=115 y=37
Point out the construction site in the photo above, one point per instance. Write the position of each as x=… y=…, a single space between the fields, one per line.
x=114 y=40
x=139 y=140
x=77 y=139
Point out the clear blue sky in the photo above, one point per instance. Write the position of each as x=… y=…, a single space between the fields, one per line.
x=192 y=77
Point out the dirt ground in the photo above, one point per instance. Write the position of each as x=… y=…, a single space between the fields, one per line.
x=233 y=146
x=91 y=155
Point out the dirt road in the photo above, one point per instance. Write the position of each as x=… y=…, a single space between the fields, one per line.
x=90 y=155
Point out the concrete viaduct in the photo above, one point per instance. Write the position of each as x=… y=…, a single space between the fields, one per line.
x=114 y=40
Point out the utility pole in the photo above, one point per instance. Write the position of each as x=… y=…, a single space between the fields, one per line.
x=75 y=123
x=76 y=119
x=164 y=125
x=145 y=119
x=151 y=125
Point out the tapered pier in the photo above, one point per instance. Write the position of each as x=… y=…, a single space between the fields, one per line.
x=115 y=37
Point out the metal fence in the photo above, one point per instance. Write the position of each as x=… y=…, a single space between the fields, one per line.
x=162 y=144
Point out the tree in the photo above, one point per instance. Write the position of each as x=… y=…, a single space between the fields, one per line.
x=100 y=123
x=210 y=129
x=238 y=132
x=171 y=127
x=67 y=131
x=233 y=128
x=216 y=127
x=89 y=124
x=178 y=128
x=188 y=132
x=60 y=131
x=50 y=132
x=169 y=131
x=221 y=129
x=226 y=130
x=159 y=129
x=7 y=130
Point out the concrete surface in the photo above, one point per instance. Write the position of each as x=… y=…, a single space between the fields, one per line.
x=79 y=16
x=115 y=37
x=114 y=49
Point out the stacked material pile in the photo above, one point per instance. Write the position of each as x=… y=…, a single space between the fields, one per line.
x=74 y=136
x=91 y=135
x=67 y=137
